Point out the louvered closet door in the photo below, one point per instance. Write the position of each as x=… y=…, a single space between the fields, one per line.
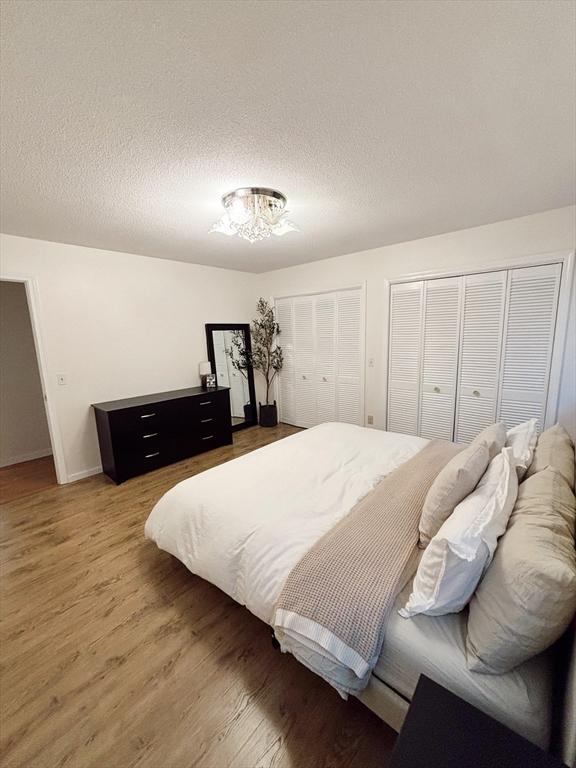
x=285 y=319
x=439 y=357
x=349 y=356
x=325 y=357
x=404 y=357
x=528 y=342
x=304 y=367
x=480 y=348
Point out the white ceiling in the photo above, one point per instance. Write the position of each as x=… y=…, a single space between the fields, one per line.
x=124 y=122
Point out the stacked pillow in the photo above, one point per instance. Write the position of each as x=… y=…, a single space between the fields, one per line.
x=458 y=555
x=526 y=598
x=458 y=479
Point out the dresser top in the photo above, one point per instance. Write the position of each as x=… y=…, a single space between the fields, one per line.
x=159 y=397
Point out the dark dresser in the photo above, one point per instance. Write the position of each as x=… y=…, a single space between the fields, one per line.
x=144 y=433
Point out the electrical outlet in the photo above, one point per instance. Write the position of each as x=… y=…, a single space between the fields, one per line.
x=61 y=379
x=370 y=420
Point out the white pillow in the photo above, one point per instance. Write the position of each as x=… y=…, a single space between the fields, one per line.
x=522 y=439
x=456 y=558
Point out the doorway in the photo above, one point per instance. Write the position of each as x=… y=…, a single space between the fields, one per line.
x=26 y=454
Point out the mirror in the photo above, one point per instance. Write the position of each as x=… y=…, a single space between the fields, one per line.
x=220 y=342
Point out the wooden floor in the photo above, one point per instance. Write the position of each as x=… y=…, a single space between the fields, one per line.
x=114 y=655
x=19 y=480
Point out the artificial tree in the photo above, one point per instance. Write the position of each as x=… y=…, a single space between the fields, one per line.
x=265 y=356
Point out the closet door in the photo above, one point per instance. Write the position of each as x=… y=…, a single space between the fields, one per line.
x=441 y=330
x=304 y=367
x=285 y=319
x=480 y=348
x=325 y=356
x=528 y=343
x=349 y=356
x=404 y=357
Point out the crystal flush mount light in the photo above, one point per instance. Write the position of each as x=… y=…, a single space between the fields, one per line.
x=254 y=213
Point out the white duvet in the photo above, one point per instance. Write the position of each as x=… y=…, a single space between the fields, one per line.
x=245 y=524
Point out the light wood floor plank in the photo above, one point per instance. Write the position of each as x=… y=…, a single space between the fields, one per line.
x=115 y=656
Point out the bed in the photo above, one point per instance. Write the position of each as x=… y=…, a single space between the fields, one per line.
x=246 y=524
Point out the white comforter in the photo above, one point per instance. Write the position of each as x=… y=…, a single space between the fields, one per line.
x=245 y=524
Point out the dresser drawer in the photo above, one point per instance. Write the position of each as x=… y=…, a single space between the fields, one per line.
x=160 y=419
x=142 y=434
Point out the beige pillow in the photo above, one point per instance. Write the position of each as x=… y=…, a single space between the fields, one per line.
x=495 y=438
x=458 y=478
x=554 y=449
x=527 y=597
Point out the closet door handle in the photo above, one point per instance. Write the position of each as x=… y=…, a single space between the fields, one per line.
x=476 y=392
x=304 y=377
x=324 y=378
x=147 y=415
x=437 y=390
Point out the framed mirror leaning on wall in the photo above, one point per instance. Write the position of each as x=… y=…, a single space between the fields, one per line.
x=220 y=343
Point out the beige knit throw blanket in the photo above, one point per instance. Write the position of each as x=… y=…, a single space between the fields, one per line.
x=333 y=608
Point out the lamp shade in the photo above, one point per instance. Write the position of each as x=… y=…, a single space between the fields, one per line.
x=204 y=368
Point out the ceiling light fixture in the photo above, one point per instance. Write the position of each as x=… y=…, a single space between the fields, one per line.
x=254 y=213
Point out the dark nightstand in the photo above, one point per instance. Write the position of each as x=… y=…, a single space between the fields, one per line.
x=443 y=731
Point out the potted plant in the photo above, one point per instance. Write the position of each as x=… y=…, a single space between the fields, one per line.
x=265 y=356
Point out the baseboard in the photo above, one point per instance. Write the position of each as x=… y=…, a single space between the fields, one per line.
x=83 y=473
x=22 y=457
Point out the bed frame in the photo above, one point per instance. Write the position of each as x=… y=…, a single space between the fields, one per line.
x=391 y=707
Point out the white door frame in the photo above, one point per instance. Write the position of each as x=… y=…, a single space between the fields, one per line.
x=32 y=298
x=566 y=259
x=362 y=287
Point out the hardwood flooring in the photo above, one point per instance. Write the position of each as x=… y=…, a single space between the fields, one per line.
x=114 y=655
x=19 y=480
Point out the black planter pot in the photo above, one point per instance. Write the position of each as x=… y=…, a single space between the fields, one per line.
x=268 y=415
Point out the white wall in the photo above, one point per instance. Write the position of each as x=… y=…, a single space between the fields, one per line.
x=541 y=233
x=23 y=425
x=119 y=325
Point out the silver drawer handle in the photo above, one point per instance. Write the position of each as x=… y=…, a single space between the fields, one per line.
x=151 y=455
x=152 y=434
x=205 y=421
x=436 y=389
x=147 y=415
x=206 y=402
x=208 y=437
x=476 y=393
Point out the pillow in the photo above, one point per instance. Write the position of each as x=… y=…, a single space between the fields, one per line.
x=495 y=438
x=554 y=449
x=458 y=555
x=528 y=595
x=455 y=481
x=522 y=439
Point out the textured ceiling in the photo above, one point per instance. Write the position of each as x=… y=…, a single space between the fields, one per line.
x=124 y=122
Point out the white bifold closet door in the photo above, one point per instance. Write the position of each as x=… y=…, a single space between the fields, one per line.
x=405 y=346
x=528 y=343
x=441 y=330
x=484 y=298
x=322 y=339
x=285 y=319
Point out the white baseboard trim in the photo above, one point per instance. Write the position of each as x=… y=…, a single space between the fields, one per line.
x=83 y=473
x=20 y=458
